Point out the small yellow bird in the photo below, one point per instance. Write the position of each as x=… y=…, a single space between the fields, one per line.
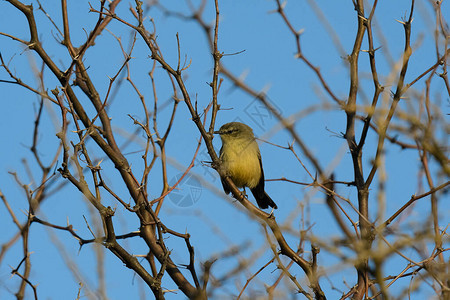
x=241 y=159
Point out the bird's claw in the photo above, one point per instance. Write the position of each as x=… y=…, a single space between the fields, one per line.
x=271 y=213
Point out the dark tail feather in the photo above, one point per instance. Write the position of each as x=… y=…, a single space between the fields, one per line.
x=263 y=200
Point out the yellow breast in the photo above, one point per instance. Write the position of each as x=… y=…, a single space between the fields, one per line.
x=242 y=164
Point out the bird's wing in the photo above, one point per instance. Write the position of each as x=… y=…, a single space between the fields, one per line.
x=261 y=197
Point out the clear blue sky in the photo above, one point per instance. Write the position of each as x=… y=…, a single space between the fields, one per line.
x=269 y=64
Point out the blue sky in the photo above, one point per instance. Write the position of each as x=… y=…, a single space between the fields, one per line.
x=263 y=50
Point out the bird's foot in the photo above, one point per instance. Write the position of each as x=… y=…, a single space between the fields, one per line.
x=271 y=213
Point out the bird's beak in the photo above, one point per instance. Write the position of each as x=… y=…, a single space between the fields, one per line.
x=217 y=132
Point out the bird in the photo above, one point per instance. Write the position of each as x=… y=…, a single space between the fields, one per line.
x=241 y=159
